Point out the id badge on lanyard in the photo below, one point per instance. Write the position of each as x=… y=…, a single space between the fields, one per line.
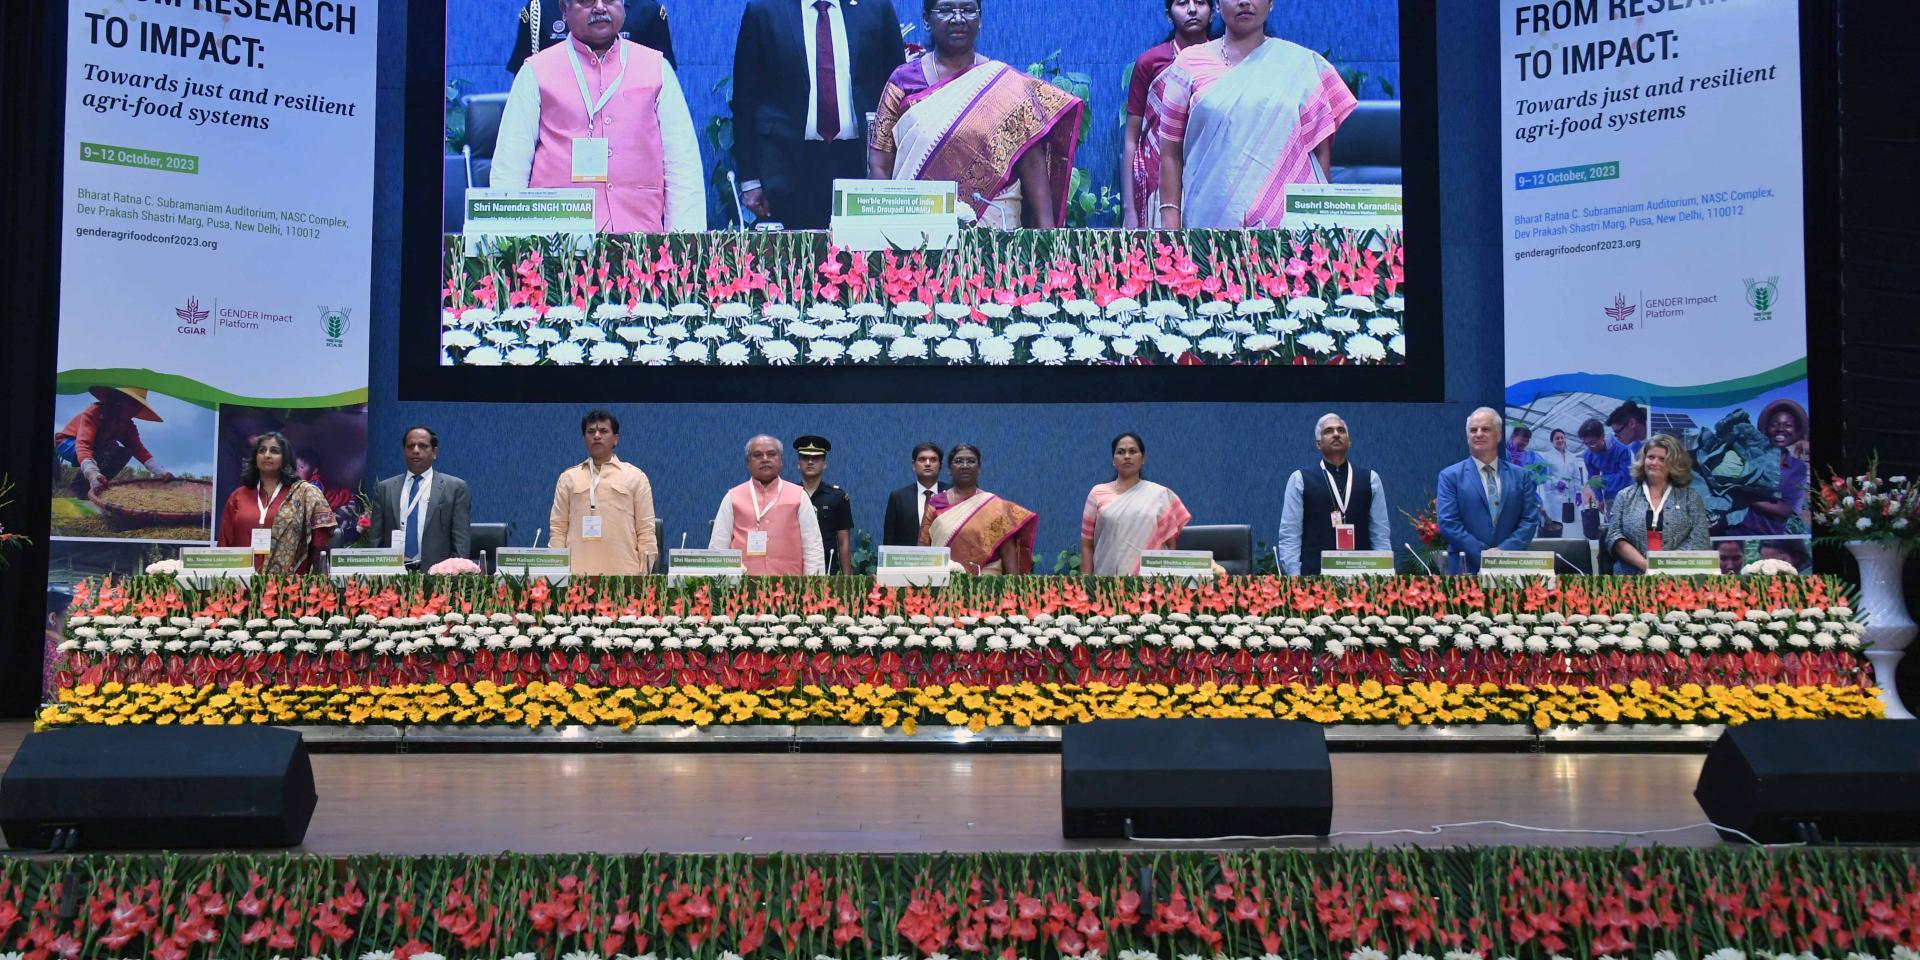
x=591 y=155
x=593 y=526
x=757 y=537
x=1342 y=530
x=1654 y=538
x=262 y=535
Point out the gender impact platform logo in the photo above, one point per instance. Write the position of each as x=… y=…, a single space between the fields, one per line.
x=1761 y=297
x=1618 y=313
x=335 y=322
x=191 y=316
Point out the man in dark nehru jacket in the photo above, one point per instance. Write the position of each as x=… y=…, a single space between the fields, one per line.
x=832 y=504
x=540 y=25
x=1328 y=508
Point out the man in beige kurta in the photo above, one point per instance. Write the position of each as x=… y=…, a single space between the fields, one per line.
x=603 y=507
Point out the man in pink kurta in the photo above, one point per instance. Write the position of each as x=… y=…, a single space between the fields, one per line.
x=607 y=114
x=770 y=521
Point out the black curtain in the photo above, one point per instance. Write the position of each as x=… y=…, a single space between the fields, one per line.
x=32 y=76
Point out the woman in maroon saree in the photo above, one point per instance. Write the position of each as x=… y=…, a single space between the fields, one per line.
x=953 y=114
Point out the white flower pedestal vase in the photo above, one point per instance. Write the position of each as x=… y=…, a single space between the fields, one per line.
x=1889 y=627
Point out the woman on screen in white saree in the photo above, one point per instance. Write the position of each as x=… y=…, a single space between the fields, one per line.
x=953 y=114
x=1242 y=117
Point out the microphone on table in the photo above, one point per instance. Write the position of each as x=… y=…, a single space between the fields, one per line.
x=739 y=209
x=1422 y=561
x=1278 y=567
x=989 y=205
x=537 y=531
x=1570 y=563
x=683 y=539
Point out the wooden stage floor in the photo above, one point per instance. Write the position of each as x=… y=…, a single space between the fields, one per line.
x=429 y=803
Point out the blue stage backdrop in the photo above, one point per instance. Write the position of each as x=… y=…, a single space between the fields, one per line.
x=1096 y=37
x=1228 y=461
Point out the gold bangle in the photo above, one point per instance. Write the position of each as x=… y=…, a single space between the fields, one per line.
x=1166 y=205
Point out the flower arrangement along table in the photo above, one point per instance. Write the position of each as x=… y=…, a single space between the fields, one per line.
x=1330 y=295
x=987 y=652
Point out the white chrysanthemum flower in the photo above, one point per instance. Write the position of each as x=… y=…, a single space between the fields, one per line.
x=648 y=311
x=691 y=351
x=1217 y=346
x=996 y=350
x=1214 y=308
x=478 y=316
x=523 y=356
x=756 y=332
x=779 y=352
x=519 y=315
x=841 y=330
x=1257 y=305
x=459 y=339
x=1341 y=323
x=566 y=311
x=499 y=338
x=566 y=354
x=1240 y=327
x=953 y=311
x=1122 y=306
x=733 y=353
x=688 y=311
x=1088 y=347
x=1260 y=342
x=1166 y=309
x=543 y=335
x=953 y=350
x=1363 y=347
x=912 y=309
x=1195 y=327
x=1306 y=306
x=826 y=312
x=671 y=331
x=907 y=348
x=1105 y=327
x=804 y=329
x=1143 y=330
x=652 y=354
x=1285 y=324
x=607 y=353
x=996 y=311
x=867 y=310
x=710 y=331
x=1383 y=326
x=1048 y=351
x=1041 y=309
x=1171 y=344
x=973 y=331
x=825 y=351
x=732 y=310
x=1396 y=303
x=1081 y=307
x=1354 y=301
x=1021 y=330
x=483 y=357
x=1125 y=346
x=1367 y=953
x=886 y=331
x=780 y=312
x=587 y=332
x=1398 y=344
x=1317 y=342
x=860 y=351
x=931 y=331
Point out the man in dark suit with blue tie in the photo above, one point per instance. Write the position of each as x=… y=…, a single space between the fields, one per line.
x=908 y=505
x=805 y=75
x=424 y=512
x=1484 y=502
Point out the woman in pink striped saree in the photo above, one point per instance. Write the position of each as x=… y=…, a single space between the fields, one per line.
x=1240 y=118
x=952 y=114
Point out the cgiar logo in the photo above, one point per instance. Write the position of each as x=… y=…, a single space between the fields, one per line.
x=192 y=318
x=1619 y=314
x=335 y=322
x=1762 y=295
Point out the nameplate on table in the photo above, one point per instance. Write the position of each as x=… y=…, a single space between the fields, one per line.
x=1515 y=564
x=902 y=566
x=1356 y=563
x=1684 y=563
x=895 y=214
x=203 y=565
x=537 y=212
x=1190 y=564
x=551 y=564
x=704 y=564
x=366 y=562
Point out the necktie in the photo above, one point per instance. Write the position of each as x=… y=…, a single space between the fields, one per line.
x=1490 y=479
x=827 y=112
x=925 y=495
x=413 y=519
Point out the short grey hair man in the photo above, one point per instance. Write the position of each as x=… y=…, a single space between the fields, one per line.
x=778 y=447
x=1321 y=424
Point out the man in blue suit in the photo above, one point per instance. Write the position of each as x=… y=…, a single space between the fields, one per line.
x=1485 y=502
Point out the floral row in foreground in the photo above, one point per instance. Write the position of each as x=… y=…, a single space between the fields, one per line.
x=977 y=708
x=1528 y=904
x=293 y=598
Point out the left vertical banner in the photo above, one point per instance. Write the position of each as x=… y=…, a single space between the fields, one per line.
x=215 y=262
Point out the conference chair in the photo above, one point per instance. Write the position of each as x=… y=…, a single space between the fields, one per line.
x=1367 y=149
x=1231 y=543
x=485 y=539
x=660 y=544
x=1576 y=553
x=483 y=112
x=453 y=193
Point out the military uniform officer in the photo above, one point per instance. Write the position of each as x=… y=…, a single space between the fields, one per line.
x=834 y=507
x=540 y=26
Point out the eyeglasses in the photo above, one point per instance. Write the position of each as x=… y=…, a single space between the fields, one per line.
x=956 y=14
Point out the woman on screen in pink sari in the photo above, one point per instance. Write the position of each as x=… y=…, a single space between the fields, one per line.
x=1240 y=118
x=953 y=114
x=1140 y=151
x=983 y=533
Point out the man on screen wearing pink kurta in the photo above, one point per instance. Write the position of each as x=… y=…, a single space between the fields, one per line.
x=770 y=521
x=606 y=113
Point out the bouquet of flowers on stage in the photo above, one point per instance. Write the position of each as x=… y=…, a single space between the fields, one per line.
x=1867 y=507
x=1426 y=525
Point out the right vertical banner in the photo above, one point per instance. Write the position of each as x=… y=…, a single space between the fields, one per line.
x=1655 y=267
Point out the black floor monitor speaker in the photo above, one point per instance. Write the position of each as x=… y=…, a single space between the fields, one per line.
x=1192 y=778
x=1851 y=780
x=153 y=788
